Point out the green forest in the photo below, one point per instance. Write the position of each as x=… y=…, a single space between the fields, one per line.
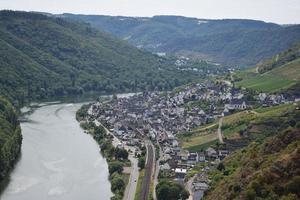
x=43 y=57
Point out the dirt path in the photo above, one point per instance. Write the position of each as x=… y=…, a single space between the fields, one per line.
x=220 y=136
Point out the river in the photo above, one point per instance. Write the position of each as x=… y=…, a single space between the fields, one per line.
x=58 y=160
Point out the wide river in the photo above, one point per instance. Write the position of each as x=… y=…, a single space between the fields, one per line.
x=58 y=161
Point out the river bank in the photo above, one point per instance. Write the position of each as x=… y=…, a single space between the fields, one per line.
x=117 y=157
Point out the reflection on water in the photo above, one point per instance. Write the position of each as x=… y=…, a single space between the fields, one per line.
x=58 y=160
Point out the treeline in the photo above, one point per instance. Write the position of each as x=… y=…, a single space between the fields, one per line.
x=10 y=138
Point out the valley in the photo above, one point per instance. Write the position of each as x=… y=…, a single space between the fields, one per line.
x=182 y=108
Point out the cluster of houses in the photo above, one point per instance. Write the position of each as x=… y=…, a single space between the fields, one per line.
x=162 y=116
x=271 y=99
x=177 y=164
x=181 y=160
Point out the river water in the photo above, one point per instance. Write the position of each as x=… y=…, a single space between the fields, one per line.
x=58 y=160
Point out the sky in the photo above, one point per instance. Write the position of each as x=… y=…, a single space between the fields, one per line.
x=278 y=11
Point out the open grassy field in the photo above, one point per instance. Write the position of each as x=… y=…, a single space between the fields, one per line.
x=275 y=80
x=205 y=136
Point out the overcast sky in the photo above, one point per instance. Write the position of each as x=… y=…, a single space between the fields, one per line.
x=279 y=11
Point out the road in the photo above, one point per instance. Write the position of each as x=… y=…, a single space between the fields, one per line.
x=220 y=130
x=148 y=170
x=134 y=174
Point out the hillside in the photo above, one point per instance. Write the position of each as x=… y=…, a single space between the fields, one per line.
x=45 y=56
x=282 y=72
x=10 y=138
x=280 y=59
x=232 y=42
x=239 y=129
x=267 y=169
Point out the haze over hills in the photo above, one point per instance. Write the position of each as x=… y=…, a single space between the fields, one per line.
x=44 y=56
x=228 y=41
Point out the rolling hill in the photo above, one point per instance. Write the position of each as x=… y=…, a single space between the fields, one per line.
x=229 y=41
x=43 y=56
x=281 y=72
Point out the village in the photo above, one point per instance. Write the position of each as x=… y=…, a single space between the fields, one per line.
x=163 y=116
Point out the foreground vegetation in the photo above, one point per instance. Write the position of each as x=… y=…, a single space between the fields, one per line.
x=266 y=169
x=116 y=157
x=10 y=138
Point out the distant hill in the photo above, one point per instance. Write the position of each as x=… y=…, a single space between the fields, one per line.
x=281 y=72
x=230 y=41
x=43 y=56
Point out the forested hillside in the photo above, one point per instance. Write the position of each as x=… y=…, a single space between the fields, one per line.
x=233 y=42
x=10 y=137
x=45 y=56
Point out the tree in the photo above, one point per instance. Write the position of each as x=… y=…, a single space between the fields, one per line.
x=117 y=183
x=141 y=162
x=168 y=190
x=221 y=167
x=121 y=153
x=115 y=166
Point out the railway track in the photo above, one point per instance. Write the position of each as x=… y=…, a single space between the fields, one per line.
x=148 y=172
